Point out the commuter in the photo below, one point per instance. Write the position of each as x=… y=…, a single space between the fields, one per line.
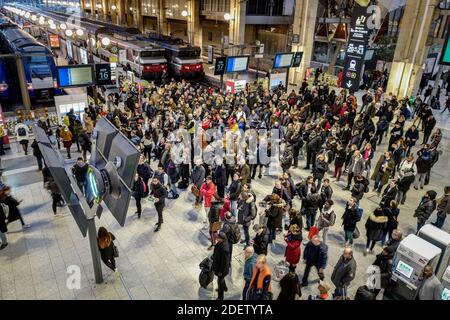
x=343 y=273
x=221 y=265
x=107 y=248
x=249 y=265
x=260 y=288
x=315 y=255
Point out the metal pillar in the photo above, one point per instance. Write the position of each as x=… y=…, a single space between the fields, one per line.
x=92 y=233
x=23 y=83
x=222 y=53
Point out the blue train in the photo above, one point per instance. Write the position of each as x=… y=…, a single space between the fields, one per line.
x=4 y=81
x=38 y=62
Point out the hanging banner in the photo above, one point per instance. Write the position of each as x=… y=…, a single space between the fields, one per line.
x=356 y=48
x=53 y=40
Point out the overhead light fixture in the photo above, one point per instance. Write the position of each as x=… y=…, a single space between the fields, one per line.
x=69 y=33
x=184 y=13
x=227 y=16
x=63 y=26
x=106 y=41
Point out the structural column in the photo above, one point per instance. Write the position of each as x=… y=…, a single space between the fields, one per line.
x=121 y=11
x=237 y=24
x=163 y=26
x=412 y=49
x=305 y=18
x=195 y=30
x=92 y=3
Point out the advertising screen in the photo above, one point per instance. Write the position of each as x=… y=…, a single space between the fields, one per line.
x=75 y=76
x=283 y=60
x=237 y=64
x=53 y=40
x=404 y=269
x=103 y=74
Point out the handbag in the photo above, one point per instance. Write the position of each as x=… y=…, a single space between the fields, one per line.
x=356 y=233
x=216 y=226
x=115 y=251
x=195 y=191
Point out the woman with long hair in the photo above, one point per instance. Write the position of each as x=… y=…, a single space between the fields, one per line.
x=105 y=240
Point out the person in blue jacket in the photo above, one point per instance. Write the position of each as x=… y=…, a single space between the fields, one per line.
x=250 y=261
x=315 y=254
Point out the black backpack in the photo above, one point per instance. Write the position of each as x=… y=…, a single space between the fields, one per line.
x=206 y=275
x=22 y=132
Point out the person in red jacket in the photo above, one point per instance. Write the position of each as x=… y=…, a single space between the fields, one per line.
x=293 y=250
x=207 y=191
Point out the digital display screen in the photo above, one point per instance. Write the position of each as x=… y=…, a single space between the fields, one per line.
x=237 y=64
x=53 y=40
x=283 y=60
x=404 y=269
x=445 y=57
x=75 y=76
x=103 y=74
x=84 y=56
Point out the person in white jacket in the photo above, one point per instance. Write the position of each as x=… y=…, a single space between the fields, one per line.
x=22 y=135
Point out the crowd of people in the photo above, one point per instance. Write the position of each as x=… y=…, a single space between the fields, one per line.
x=214 y=145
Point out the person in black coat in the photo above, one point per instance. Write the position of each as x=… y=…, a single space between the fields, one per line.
x=144 y=170
x=37 y=153
x=138 y=193
x=319 y=170
x=261 y=239
x=105 y=241
x=79 y=170
x=391 y=212
x=375 y=228
x=3 y=229
x=220 y=178
x=160 y=194
x=13 y=204
x=389 y=194
x=85 y=143
x=384 y=262
x=350 y=219
x=312 y=148
x=360 y=187
x=221 y=266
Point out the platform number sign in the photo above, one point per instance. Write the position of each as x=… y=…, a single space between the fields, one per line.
x=219 y=68
x=103 y=74
x=356 y=47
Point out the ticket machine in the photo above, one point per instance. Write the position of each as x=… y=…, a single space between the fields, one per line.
x=412 y=255
x=446 y=285
x=440 y=239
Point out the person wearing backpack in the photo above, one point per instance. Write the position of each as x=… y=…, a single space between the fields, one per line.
x=350 y=218
x=221 y=263
x=426 y=207
x=406 y=175
x=327 y=219
x=21 y=131
x=443 y=208
x=422 y=163
x=232 y=231
x=139 y=190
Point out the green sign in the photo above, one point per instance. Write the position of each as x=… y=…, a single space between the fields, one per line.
x=445 y=58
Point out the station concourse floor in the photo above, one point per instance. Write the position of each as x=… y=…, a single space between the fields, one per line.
x=161 y=265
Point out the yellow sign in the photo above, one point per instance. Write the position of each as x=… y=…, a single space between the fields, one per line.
x=113 y=59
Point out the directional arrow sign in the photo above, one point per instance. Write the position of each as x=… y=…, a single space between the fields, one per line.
x=349 y=84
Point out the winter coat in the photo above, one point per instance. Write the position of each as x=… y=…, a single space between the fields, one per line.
x=388 y=168
x=422 y=164
x=275 y=215
x=356 y=166
x=344 y=272
x=207 y=191
x=375 y=225
x=314 y=144
x=248 y=267
x=245 y=173
x=389 y=194
x=3 y=226
x=312 y=202
x=247 y=211
x=443 y=207
x=341 y=155
x=198 y=176
x=392 y=216
x=320 y=169
x=260 y=242
x=138 y=188
x=144 y=171
x=158 y=191
x=424 y=210
x=220 y=175
x=108 y=252
x=36 y=151
x=350 y=218
x=327 y=218
x=80 y=173
x=234 y=190
x=302 y=189
x=358 y=190
x=321 y=257
x=214 y=212
x=293 y=248
x=221 y=262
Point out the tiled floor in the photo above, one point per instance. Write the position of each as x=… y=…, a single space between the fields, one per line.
x=153 y=266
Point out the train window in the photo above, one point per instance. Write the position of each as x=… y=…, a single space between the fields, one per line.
x=148 y=54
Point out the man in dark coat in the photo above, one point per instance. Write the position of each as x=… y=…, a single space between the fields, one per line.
x=138 y=193
x=261 y=239
x=198 y=177
x=312 y=148
x=220 y=178
x=315 y=254
x=389 y=194
x=159 y=193
x=344 y=272
x=221 y=265
x=426 y=207
x=37 y=153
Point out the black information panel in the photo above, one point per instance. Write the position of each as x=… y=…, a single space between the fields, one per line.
x=219 y=68
x=103 y=74
x=297 y=59
x=356 y=48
